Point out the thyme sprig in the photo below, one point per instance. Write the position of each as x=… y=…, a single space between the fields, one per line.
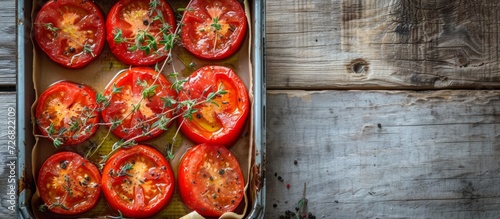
x=215 y=24
x=56 y=31
x=216 y=27
x=144 y=40
x=185 y=109
x=78 y=125
x=45 y=207
x=59 y=203
x=52 y=28
x=67 y=186
x=124 y=170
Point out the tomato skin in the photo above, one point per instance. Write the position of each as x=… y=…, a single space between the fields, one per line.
x=63 y=104
x=77 y=23
x=219 y=123
x=121 y=16
x=198 y=32
x=121 y=103
x=150 y=181
x=69 y=177
x=210 y=180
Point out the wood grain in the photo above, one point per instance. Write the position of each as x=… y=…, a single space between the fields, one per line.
x=8 y=99
x=384 y=154
x=388 y=44
x=369 y=154
x=8 y=43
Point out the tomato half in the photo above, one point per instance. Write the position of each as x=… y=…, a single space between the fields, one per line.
x=213 y=29
x=219 y=121
x=132 y=25
x=138 y=181
x=69 y=184
x=66 y=112
x=133 y=109
x=210 y=180
x=70 y=32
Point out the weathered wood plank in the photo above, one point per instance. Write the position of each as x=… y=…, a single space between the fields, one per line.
x=8 y=41
x=384 y=154
x=394 y=44
x=7 y=175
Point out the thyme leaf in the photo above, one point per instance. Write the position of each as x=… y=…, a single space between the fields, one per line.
x=124 y=169
x=215 y=24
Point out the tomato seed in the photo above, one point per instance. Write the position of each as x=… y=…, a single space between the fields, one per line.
x=232 y=28
x=64 y=164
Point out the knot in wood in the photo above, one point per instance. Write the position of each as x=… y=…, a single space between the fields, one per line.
x=358 y=66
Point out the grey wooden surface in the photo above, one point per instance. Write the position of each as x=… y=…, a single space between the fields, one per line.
x=385 y=154
x=8 y=187
x=369 y=153
x=7 y=43
x=7 y=80
x=385 y=44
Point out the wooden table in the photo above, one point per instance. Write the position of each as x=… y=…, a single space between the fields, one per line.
x=386 y=109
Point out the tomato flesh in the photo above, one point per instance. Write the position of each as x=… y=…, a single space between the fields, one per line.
x=210 y=180
x=67 y=111
x=69 y=184
x=137 y=114
x=221 y=120
x=70 y=32
x=213 y=29
x=138 y=181
x=132 y=18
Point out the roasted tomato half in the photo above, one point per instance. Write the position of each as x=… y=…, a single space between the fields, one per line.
x=70 y=32
x=137 y=104
x=138 y=181
x=221 y=119
x=138 y=30
x=69 y=184
x=67 y=113
x=213 y=29
x=210 y=180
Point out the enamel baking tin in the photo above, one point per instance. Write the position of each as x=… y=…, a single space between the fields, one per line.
x=26 y=97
